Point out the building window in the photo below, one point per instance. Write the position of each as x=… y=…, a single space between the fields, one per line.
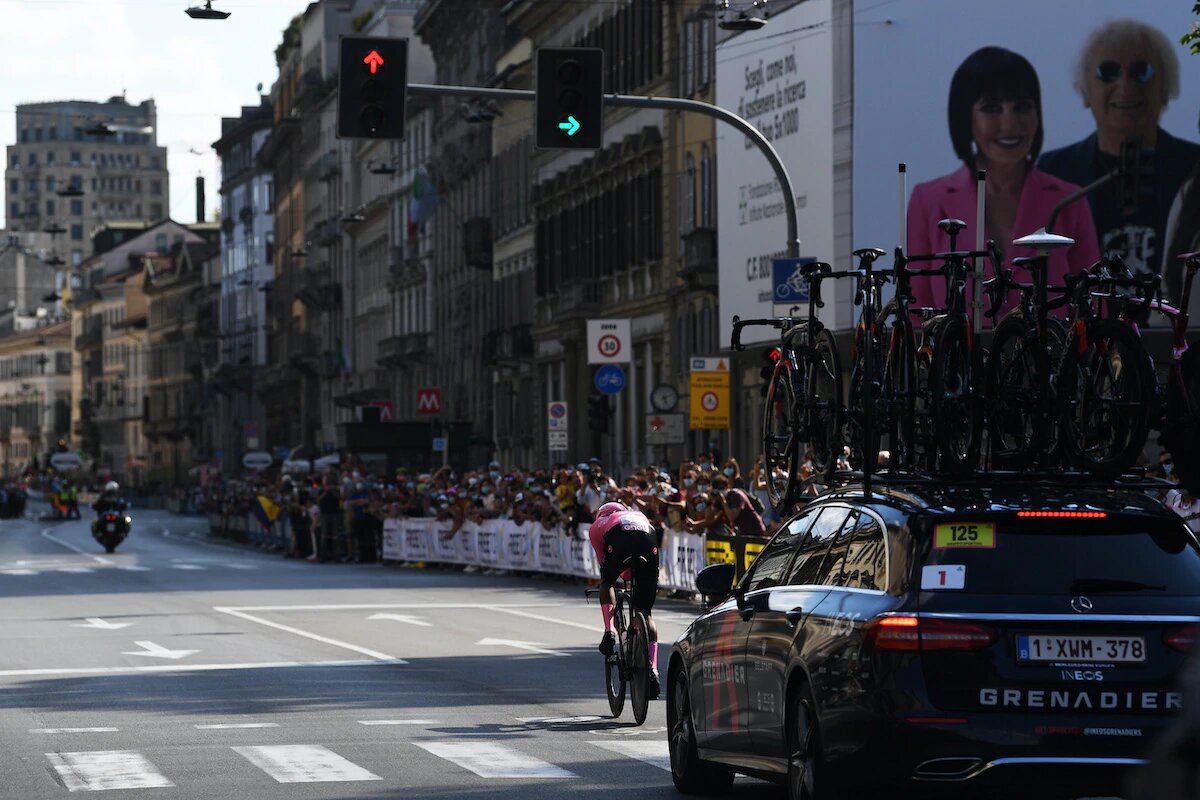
x=688 y=62
x=689 y=196
x=15 y=186
x=51 y=183
x=156 y=188
x=76 y=233
x=33 y=184
x=33 y=159
x=76 y=158
x=705 y=52
x=76 y=258
x=49 y=208
x=50 y=156
x=76 y=208
x=705 y=187
x=15 y=160
x=15 y=210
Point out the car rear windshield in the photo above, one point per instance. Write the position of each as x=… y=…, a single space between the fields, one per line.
x=1040 y=559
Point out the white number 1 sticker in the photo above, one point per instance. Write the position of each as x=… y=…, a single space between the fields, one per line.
x=944 y=576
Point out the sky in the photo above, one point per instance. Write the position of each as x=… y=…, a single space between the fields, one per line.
x=197 y=71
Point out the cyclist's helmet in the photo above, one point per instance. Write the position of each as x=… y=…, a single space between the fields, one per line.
x=609 y=508
x=111 y=486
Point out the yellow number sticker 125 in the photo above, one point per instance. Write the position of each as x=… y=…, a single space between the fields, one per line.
x=964 y=534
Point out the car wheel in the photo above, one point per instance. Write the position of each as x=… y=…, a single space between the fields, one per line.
x=804 y=749
x=690 y=774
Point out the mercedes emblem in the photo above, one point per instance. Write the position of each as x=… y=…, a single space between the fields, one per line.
x=1081 y=604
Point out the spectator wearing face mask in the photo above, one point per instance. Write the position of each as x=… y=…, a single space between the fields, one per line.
x=733 y=473
x=741 y=516
x=706 y=514
x=688 y=477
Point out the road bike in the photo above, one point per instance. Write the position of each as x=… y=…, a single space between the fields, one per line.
x=628 y=668
x=803 y=402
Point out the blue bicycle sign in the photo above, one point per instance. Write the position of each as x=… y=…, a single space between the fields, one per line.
x=610 y=379
x=790 y=286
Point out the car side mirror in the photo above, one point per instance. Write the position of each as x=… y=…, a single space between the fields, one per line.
x=716 y=581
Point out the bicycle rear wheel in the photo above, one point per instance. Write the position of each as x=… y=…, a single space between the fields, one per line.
x=899 y=385
x=639 y=667
x=1181 y=419
x=823 y=405
x=954 y=380
x=614 y=685
x=1107 y=393
x=781 y=446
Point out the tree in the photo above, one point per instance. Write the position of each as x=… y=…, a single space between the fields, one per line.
x=1192 y=37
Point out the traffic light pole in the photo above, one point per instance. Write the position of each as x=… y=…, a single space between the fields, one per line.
x=663 y=103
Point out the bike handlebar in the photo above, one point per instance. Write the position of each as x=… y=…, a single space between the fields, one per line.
x=780 y=323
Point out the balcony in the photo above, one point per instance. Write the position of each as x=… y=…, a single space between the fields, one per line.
x=398 y=351
x=699 y=267
x=91 y=335
x=405 y=271
x=369 y=386
x=315 y=290
x=327 y=232
x=477 y=242
x=580 y=297
x=330 y=166
x=510 y=345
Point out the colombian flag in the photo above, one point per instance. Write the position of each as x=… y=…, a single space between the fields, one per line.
x=266 y=511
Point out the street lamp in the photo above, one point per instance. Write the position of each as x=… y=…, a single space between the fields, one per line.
x=745 y=19
x=208 y=12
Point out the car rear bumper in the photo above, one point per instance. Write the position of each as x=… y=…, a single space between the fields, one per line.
x=1033 y=776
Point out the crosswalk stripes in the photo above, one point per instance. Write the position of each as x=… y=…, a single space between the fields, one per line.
x=313 y=763
x=304 y=763
x=106 y=769
x=490 y=760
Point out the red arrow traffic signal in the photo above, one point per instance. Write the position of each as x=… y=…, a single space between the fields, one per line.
x=373 y=60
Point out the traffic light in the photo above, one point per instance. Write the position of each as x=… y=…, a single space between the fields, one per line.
x=597 y=412
x=570 y=97
x=767 y=371
x=372 y=86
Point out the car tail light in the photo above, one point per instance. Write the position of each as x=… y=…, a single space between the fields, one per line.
x=1181 y=639
x=910 y=633
x=1063 y=514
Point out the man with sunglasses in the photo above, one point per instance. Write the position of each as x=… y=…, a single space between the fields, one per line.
x=1126 y=74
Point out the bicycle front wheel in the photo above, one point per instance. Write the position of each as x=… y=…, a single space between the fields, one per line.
x=639 y=668
x=954 y=380
x=781 y=446
x=1108 y=396
x=823 y=404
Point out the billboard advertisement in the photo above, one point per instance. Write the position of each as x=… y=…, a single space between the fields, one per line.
x=926 y=94
x=780 y=79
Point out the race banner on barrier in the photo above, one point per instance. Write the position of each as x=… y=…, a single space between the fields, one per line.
x=530 y=547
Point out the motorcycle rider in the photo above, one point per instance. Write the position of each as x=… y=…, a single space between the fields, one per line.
x=109 y=500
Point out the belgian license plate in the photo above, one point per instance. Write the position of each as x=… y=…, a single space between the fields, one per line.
x=1050 y=648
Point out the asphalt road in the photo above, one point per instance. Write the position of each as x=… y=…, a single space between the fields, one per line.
x=181 y=667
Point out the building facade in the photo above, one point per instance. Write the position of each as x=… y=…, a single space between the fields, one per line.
x=247 y=256
x=83 y=164
x=35 y=395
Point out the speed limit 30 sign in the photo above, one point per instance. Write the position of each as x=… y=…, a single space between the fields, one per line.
x=608 y=341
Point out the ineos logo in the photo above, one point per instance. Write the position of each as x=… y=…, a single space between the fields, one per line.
x=1081 y=604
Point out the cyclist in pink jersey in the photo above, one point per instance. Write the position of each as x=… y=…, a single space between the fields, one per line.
x=619 y=535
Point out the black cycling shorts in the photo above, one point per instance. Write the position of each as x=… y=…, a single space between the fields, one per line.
x=621 y=547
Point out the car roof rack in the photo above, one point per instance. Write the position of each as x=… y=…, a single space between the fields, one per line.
x=1132 y=480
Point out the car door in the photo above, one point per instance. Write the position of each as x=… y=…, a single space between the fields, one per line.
x=779 y=630
x=837 y=658
x=719 y=690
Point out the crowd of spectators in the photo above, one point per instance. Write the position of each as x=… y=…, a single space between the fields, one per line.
x=339 y=514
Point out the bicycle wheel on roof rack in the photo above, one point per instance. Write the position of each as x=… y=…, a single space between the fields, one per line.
x=955 y=379
x=823 y=405
x=1107 y=397
x=781 y=445
x=1181 y=420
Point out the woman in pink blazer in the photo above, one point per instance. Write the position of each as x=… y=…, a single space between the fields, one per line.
x=996 y=125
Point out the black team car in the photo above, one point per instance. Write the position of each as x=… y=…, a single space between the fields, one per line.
x=1019 y=640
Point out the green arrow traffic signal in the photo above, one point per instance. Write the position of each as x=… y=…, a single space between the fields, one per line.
x=571 y=126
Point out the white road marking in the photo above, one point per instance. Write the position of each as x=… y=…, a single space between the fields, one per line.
x=130 y=670
x=560 y=720
x=235 y=726
x=106 y=769
x=242 y=566
x=515 y=611
x=307 y=635
x=532 y=647
x=403 y=618
x=152 y=650
x=187 y=566
x=21 y=572
x=100 y=624
x=304 y=763
x=377 y=606
x=133 y=568
x=490 y=760
x=75 y=570
x=399 y=722
x=98 y=559
x=656 y=754
x=73 y=730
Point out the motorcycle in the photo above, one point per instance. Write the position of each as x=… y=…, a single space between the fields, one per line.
x=110 y=529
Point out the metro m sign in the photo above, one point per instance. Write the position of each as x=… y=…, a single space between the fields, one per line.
x=429 y=401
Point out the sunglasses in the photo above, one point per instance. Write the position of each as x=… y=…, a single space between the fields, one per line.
x=1109 y=71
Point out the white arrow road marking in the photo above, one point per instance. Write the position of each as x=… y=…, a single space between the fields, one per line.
x=403 y=618
x=153 y=650
x=106 y=769
x=489 y=760
x=304 y=763
x=533 y=647
x=656 y=754
x=100 y=624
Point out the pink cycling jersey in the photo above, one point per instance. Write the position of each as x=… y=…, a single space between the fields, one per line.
x=618 y=519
